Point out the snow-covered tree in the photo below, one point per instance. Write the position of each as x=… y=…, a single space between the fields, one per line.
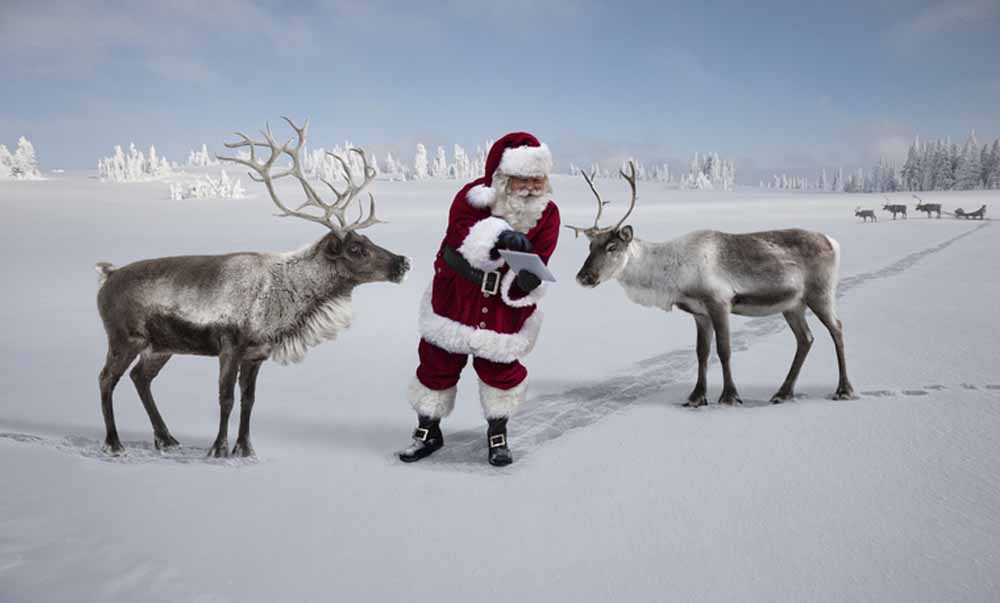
x=21 y=164
x=461 y=168
x=439 y=169
x=134 y=167
x=5 y=163
x=968 y=172
x=420 y=167
x=208 y=188
x=944 y=169
x=911 y=174
x=993 y=177
x=201 y=158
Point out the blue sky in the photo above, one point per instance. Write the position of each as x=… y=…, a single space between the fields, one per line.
x=778 y=86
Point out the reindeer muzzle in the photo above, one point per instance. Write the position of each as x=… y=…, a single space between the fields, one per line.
x=399 y=269
x=586 y=278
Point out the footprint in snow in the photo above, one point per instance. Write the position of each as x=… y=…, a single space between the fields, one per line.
x=878 y=393
x=914 y=392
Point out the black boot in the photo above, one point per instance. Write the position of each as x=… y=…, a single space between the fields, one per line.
x=496 y=439
x=427 y=438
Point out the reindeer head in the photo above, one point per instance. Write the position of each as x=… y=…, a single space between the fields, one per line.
x=344 y=253
x=609 y=245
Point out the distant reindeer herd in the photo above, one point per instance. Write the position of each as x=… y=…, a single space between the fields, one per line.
x=898 y=209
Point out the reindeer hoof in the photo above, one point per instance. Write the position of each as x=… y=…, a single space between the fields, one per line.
x=696 y=399
x=243 y=449
x=730 y=399
x=165 y=442
x=114 y=448
x=780 y=397
x=845 y=394
x=219 y=450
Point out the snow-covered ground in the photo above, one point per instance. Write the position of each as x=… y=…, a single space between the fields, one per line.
x=617 y=492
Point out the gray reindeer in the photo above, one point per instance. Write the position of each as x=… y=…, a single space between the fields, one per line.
x=242 y=307
x=928 y=208
x=894 y=209
x=865 y=214
x=711 y=274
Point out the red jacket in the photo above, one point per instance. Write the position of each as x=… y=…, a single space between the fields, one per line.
x=455 y=314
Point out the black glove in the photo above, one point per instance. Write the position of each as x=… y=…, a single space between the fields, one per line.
x=512 y=241
x=527 y=281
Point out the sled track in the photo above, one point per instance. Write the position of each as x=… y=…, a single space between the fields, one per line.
x=550 y=416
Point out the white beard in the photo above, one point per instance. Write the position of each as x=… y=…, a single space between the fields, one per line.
x=522 y=213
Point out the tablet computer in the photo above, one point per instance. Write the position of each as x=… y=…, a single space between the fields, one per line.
x=531 y=262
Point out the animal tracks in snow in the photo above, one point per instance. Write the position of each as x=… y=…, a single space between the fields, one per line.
x=926 y=390
x=136 y=452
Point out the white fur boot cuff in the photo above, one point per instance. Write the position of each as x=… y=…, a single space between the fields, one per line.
x=431 y=403
x=498 y=403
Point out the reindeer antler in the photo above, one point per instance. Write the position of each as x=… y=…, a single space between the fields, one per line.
x=329 y=211
x=596 y=229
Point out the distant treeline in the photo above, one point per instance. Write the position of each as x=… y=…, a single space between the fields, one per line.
x=938 y=165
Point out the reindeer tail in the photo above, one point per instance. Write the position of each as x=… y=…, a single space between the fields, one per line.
x=104 y=270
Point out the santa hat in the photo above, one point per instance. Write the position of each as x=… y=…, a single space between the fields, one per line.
x=516 y=154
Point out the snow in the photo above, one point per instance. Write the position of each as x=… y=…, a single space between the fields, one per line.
x=616 y=493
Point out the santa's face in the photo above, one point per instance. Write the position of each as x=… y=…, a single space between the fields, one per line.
x=527 y=187
x=520 y=200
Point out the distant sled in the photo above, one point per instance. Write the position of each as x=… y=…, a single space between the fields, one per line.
x=979 y=214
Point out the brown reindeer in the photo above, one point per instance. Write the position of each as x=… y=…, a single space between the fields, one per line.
x=241 y=307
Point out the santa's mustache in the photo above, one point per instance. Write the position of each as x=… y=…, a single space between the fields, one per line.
x=526 y=192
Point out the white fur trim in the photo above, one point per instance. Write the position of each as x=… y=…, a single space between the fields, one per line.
x=499 y=403
x=457 y=338
x=481 y=239
x=323 y=324
x=526 y=161
x=429 y=402
x=528 y=300
x=481 y=196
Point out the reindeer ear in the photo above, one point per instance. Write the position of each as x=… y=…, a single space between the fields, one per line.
x=625 y=234
x=333 y=244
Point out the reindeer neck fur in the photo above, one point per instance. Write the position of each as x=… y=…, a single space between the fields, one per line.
x=302 y=306
x=651 y=273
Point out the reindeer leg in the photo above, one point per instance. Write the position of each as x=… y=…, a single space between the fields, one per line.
x=229 y=364
x=804 y=338
x=827 y=314
x=142 y=375
x=248 y=389
x=719 y=314
x=120 y=354
x=704 y=346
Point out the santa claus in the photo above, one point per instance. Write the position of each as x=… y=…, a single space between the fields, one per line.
x=475 y=305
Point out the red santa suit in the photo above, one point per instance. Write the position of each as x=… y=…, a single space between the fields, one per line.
x=459 y=319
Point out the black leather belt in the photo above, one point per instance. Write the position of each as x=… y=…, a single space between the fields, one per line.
x=488 y=281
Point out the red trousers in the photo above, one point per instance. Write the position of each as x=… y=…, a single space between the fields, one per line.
x=440 y=369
